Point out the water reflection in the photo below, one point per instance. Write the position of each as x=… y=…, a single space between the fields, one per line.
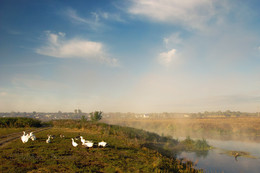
x=216 y=160
x=202 y=154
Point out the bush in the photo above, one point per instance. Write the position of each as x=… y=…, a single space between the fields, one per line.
x=16 y=122
x=96 y=116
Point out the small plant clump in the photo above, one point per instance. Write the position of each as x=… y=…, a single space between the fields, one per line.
x=193 y=145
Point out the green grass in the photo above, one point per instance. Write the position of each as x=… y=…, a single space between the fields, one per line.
x=8 y=131
x=126 y=151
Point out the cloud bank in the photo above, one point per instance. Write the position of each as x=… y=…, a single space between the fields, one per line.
x=57 y=46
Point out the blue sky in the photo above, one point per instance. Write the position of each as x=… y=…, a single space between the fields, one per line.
x=130 y=56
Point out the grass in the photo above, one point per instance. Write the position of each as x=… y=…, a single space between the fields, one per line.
x=8 y=131
x=126 y=152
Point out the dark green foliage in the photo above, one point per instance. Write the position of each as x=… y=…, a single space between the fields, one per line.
x=202 y=145
x=19 y=122
x=83 y=119
x=194 y=145
x=96 y=116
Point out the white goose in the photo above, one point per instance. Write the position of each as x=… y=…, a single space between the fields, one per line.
x=49 y=139
x=32 y=136
x=25 y=138
x=74 y=143
x=102 y=144
x=82 y=140
x=88 y=144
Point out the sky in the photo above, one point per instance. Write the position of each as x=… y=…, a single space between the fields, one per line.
x=129 y=55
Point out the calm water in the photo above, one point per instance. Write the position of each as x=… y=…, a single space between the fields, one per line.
x=215 y=161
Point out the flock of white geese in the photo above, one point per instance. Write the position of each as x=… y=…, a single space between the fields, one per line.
x=86 y=143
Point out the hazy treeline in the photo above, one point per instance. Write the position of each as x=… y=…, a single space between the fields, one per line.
x=19 y=122
x=78 y=114
x=227 y=113
x=45 y=115
x=232 y=127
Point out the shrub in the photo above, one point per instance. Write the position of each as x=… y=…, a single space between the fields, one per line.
x=16 y=122
x=96 y=116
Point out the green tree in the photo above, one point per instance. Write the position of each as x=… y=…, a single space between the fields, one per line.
x=79 y=111
x=96 y=116
x=83 y=119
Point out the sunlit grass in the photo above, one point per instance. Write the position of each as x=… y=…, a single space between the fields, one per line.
x=125 y=153
x=8 y=131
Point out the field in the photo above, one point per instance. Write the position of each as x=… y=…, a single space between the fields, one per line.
x=247 y=128
x=129 y=150
x=8 y=131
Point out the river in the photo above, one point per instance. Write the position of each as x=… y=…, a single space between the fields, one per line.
x=216 y=161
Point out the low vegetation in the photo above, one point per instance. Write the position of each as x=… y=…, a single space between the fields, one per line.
x=128 y=150
x=96 y=116
x=193 y=145
x=16 y=122
x=239 y=154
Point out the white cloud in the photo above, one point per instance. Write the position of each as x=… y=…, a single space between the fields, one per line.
x=192 y=14
x=166 y=58
x=95 y=20
x=57 y=46
x=92 y=22
x=72 y=14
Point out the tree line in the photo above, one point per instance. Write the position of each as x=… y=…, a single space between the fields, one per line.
x=7 y=122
